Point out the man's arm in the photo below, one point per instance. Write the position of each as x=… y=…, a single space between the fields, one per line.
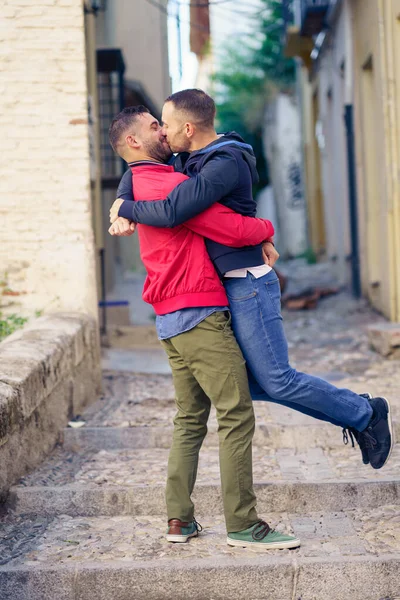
x=223 y=225
x=125 y=186
x=217 y=179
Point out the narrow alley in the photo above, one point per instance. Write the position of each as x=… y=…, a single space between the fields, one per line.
x=91 y=520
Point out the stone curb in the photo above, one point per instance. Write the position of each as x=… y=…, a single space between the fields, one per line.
x=255 y=577
x=36 y=358
x=49 y=371
x=77 y=500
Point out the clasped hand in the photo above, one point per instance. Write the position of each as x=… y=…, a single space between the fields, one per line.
x=119 y=225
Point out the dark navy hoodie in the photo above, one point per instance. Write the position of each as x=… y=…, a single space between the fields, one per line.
x=224 y=171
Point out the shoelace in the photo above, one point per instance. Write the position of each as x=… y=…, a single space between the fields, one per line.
x=368 y=439
x=346 y=433
x=261 y=530
x=197 y=525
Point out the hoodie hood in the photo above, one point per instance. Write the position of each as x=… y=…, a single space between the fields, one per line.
x=231 y=139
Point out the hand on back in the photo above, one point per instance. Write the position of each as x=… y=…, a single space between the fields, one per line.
x=270 y=254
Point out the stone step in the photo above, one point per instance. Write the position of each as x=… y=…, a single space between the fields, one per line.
x=353 y=553
x=137 y=412
x=77 y=500
x=123 y=395
x=126 y=482
x=271 y=435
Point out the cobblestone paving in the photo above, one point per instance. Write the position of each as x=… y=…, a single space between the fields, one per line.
x=332 y=342
x=148 y=467
x=353 y=532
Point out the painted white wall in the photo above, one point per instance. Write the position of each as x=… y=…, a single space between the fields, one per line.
x=282 y=144
x=266 y=209
x=332 y=138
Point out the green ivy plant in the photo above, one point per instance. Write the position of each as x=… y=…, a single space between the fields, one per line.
x=10 y=323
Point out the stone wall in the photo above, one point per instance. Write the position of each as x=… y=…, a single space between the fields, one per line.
x=49 y=372
x=46 y=237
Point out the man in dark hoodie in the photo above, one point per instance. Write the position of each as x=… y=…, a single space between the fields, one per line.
x=222 y=169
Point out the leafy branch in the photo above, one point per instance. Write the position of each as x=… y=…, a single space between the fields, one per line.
x=249 y=76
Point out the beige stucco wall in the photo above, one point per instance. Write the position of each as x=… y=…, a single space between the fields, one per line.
x=140 y=30
x=359 y=64
x=312 y=164
x=377 y=102
x=46 y=239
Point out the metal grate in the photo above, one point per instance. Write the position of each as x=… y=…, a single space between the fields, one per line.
x=109 y=106
x=110 y=78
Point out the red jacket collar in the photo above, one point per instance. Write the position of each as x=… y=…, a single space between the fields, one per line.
x=148 y=163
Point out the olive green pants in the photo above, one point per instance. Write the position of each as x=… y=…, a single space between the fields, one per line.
x=208 y=368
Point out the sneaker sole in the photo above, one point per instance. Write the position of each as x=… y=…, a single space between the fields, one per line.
x=390 y=425
x=369 y=397
x=180 y=539
x=273 y=545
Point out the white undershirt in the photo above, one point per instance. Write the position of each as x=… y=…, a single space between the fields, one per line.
x=258 y=272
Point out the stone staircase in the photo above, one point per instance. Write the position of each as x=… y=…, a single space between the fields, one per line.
x=89 y=524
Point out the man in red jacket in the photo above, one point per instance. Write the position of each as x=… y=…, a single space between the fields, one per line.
x=193 y=323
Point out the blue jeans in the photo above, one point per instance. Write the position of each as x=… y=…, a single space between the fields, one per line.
x=257 y=324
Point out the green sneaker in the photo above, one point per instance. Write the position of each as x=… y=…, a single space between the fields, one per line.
x=179 y=531
x=260 y=535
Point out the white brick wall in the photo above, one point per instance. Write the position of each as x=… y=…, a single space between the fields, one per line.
x=46 y=237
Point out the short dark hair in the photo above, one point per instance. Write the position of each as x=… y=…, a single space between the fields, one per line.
x=196 y=103
x=125 y=119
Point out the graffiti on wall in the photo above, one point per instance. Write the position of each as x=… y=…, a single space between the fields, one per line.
x=296 y=197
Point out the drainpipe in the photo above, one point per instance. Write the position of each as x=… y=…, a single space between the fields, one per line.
x=351 y=154
x=91 y=70
x=352 y=182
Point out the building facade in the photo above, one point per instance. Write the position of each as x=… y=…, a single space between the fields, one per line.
x=67 y=67
x=350 y=82
x=130 y=42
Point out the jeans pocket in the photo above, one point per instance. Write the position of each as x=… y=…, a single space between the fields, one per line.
x=274 y=293
x=240 y=298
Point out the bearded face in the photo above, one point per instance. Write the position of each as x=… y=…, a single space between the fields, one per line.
x=157 y=148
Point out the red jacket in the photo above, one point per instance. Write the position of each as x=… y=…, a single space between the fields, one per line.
x=180 y=273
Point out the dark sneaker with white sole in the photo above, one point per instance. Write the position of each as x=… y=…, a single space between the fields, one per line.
x=260 y=535
x=378 y=438
x=181 y=531
x=355 y=435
